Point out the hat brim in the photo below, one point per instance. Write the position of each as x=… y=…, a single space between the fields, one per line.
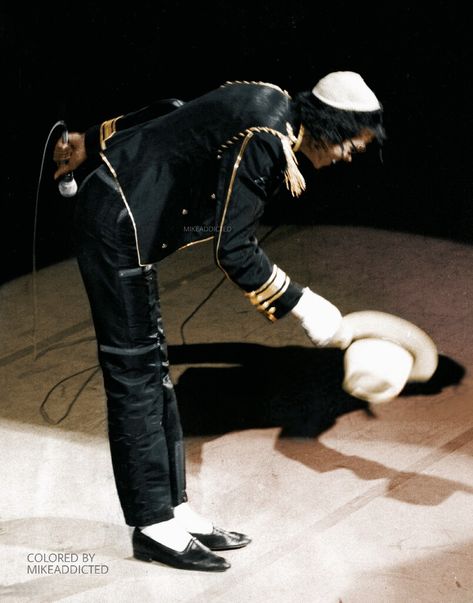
x=381 y=325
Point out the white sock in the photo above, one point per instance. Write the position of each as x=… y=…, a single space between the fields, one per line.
x=191 y=520
x=171 y=533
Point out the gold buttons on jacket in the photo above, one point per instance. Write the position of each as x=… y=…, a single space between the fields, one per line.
x=185 y=212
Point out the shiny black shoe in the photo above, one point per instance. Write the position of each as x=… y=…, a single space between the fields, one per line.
x=221 y=540
x=195 y=556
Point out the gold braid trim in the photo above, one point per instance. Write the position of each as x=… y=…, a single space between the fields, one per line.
x=236 y=165
x=265 y=284
x=297 y=144
x=269 y=292
x=293 y=178
x=230 y=83
x=122 y=194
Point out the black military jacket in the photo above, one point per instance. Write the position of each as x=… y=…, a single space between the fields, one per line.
x=205 y=170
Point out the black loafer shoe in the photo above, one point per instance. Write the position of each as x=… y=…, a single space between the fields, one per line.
x=221 y=540
x=195 y=556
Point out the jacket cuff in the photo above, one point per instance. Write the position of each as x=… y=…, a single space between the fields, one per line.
x=277 y=296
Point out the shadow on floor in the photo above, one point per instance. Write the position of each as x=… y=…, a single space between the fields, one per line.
x=299 y=390
x=223 y=387
x=234 y=386
x=228 y=387
x=295 y=388
x=412 y=487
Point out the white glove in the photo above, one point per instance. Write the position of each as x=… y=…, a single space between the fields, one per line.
x=321 y=321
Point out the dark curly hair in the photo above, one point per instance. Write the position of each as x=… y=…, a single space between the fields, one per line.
x=329 y=125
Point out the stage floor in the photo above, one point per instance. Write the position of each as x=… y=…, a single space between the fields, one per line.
x=344 y=502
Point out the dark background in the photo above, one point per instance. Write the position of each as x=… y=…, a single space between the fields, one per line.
x=90 y=63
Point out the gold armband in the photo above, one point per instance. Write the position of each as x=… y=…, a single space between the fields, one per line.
x=263 y=297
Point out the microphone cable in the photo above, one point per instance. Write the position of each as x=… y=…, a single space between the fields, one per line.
x=215 y=288
x=42 y=409
x=34 y=242
x=95 y=369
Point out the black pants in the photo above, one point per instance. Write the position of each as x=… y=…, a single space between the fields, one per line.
x=144 y=428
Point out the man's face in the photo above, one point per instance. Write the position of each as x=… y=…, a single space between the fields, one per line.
x=323 y=157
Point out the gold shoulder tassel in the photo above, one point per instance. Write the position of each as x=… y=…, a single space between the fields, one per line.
x=293 y=178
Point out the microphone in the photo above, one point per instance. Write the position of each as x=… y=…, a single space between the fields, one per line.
x=67 y=185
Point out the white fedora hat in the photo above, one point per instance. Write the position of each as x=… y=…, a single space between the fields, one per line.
x=386 y=353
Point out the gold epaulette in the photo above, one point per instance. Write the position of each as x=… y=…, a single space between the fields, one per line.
x=107 y=130
x=274 y=86
x=263 y=297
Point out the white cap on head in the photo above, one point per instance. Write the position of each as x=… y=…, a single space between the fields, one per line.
x=346 y=90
